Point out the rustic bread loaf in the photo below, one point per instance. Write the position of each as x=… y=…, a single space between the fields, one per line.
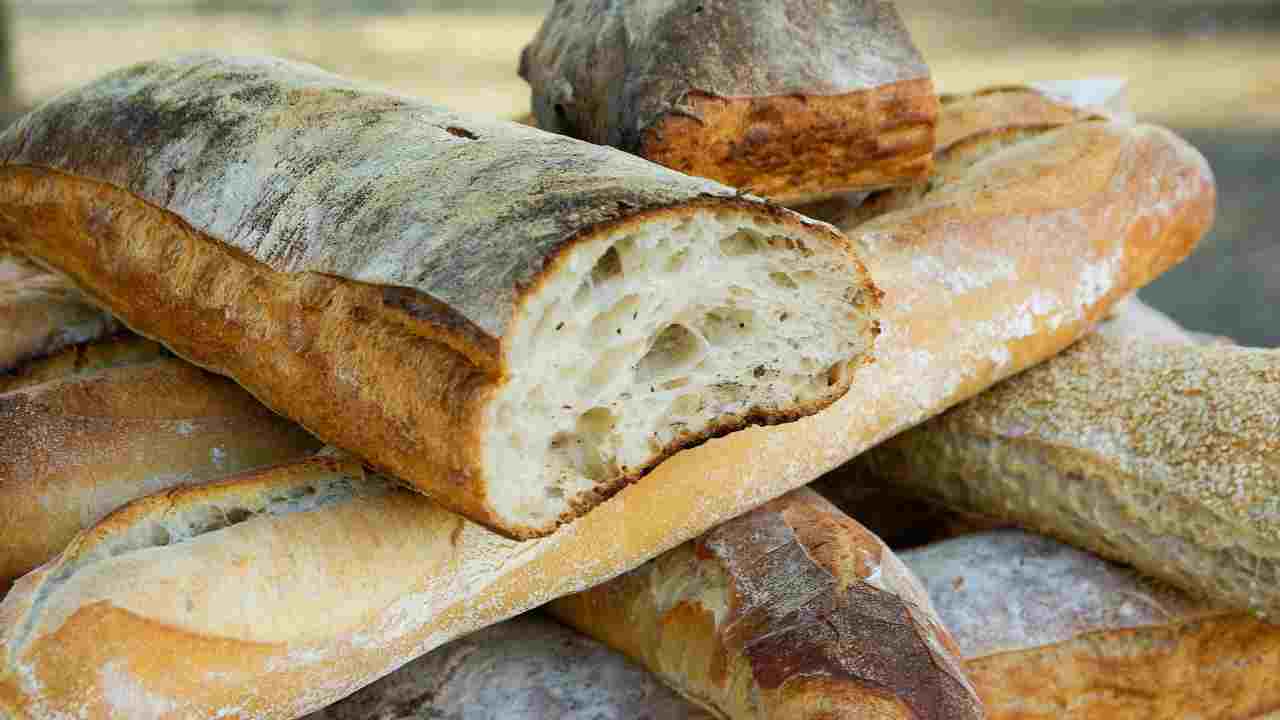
x=1160 y=455
x=789 y=100
x=41 y=313
x=790 y=611
x=517 y=323
x=121 y=349
x=263 y=613
x=73 y=450
x=1052 y=633
x=527 y=668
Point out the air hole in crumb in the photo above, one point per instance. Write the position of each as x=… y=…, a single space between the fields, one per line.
x=835 y=374
x=673 y=350
x=160 y=536
x=676 y=262
x=609 y=366
x=727 y=326
x=235 y=516
x=805 y=276
x=608 y=267
x=783 y=280
x=461 y=132
x=743 y=242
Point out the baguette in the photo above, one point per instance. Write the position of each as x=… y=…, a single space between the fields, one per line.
x=75 y=449
x=791 y=101
x=1049 y=632
x=790 y=611
x=528 y=668
x=41 y=313
x=960 y=326
x=1159 y=455
x=544 y=326
x=83 y=359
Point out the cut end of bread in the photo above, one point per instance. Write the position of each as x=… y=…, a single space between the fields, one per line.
x=651 y=337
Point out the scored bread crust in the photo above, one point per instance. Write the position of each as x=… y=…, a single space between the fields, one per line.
x=527 y=668
x=361 y=261
x=72 y=450
x=790 y=611
x=792 y=101
x=1074 y=236
x=1048 y=631
x=42 y=313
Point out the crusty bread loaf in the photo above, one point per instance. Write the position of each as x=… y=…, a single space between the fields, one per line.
x=789 y=100
x=1052 y=633
x=1164 y=456
x=41 y=313
x=73 y=450
x=276 y=630
x=790 y=611
x=515 y=322
x=528 y=668
x=121 y=349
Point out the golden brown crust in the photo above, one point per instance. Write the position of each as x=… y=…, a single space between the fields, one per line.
x=795 y=100
x=792 y=610
x=121 y=349
x=796 y=148
x=954 y=328
x=72 y=450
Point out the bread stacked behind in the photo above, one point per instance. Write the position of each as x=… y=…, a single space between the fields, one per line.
x=42 y=313
x=793 y=101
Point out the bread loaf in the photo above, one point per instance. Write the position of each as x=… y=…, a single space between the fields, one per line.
x=791 y=101
x=543 y=325
x=73 y=450
x=790 y=611
x=528 y=668
x=41 y=313
x=1163 y=456
x=985 y=287
x=84 y=359
x=1050 y=632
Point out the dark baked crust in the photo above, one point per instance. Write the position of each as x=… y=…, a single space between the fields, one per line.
x=792 y=100
x=792 y=610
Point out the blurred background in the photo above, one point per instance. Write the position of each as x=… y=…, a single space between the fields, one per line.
x=1207 y=68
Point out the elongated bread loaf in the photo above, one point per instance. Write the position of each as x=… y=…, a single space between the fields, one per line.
x=263 y=612
x=1049 y=632
x=84 y=359
x=73 y=450
x=528 y=668
x=790 y=101
x=41 y=313
x=790 y=611
x=515 y=322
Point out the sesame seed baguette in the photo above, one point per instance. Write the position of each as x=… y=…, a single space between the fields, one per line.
x=1050 y=632
x=792 y=101
x=994 y=273
x=790 y=611
x=1159 y=455
x=514 y=322
x=74 y=449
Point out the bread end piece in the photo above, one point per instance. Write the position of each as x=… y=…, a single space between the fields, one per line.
x=661 y=331
x=792 y=101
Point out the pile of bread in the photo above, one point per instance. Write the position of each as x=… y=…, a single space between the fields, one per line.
x=393 y=375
